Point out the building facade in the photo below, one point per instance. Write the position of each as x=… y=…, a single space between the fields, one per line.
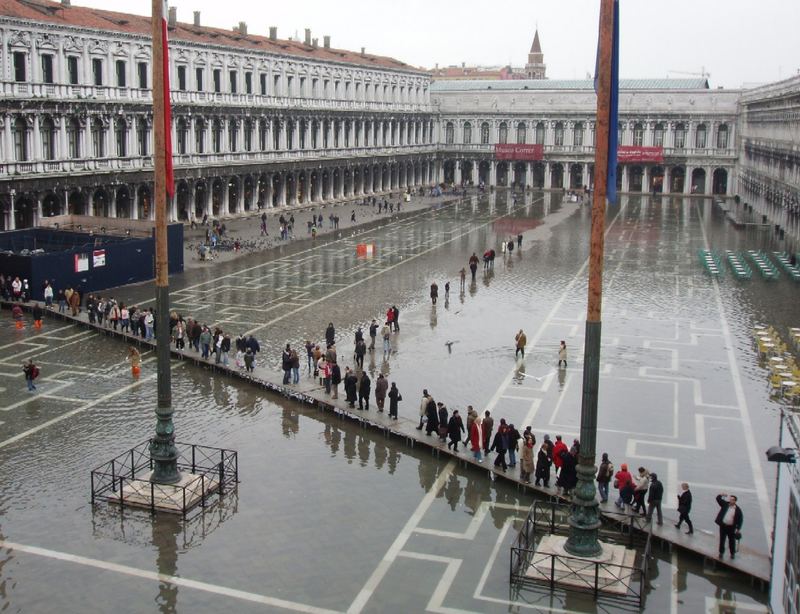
x=691 y=129
x=256 y=121
x=259 y=121
x=769 y=150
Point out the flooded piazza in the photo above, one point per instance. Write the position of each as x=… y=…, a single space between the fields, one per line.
x=330 y=517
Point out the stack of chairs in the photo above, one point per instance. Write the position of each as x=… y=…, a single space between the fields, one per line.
x=764 y=264
x=710 y=262
x=738 y=265
x=784 y=374
x=786 y=263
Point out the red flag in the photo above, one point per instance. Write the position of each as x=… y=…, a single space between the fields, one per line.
x=170 y=177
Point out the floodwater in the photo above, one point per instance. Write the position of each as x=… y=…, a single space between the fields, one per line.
x=331 y=517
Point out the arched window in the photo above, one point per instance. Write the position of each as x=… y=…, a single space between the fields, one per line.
x=248 y=135
x=638 y=135
x=449 y=131
x=263 y=135
x=577 y=135
x=199 y=135
x=680 y=136
x=48 y=133
x=21 y=151
x=74 y=138
x=521 y=133
x=276 y=135
x=467 y=133
x=539 y=133
x=658 y=135
x=143 y=135
x=700 y=137
x=558 y=135
x=233 y=135
x=290 y=131
x=502 y=136
x=98 y=138
x=121 y=137
x=722 y=137
x=182 y=134
x=484 y=133
x=216 y=136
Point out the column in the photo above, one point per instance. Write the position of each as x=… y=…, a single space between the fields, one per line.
x=39 y=213
x=548 y=177
x=63 y=149
x=112 y=202
x=457 y=172
x=645 y=179
x=172 y=207
x=492 y=173
x=709 y=180
x=293 y=192
x=585 y=174
x=282 y=189
x=666 y=186
x=36 y=140
x=223 y=207
x=90 y=202
x=282 y=135
x=209 y=206
x=625 y=178
x=687 y=180
x=268 y=192
x=12 y=215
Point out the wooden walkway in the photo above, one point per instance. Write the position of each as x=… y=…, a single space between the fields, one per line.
x=703 y=543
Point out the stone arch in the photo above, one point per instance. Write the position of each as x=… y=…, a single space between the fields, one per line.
x=248 y=193
x=183 y=198
x=123 y=198
x=76 y=203
x=234 y=190
x=100 y=202
x=200 y=199
x=216 y=197
x=698 y=181
x=51 y=204
x=143 y=202
x=719 y=184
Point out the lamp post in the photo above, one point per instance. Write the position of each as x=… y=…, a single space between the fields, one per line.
x=584 y=521
x=163 y=452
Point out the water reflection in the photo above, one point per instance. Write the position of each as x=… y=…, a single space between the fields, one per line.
x=166 y=528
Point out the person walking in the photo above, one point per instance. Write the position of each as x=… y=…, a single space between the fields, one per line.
x=423 y=408
x=386 y=333
x=434 y=292
x=562 y=354
x=330 y=335
x=334 y=378
x=513 y=445
x=31 y=372
x=500 y=445
x=684 y=507
x=205 y=342
x=476 y=438
x=729 y=519
x=463 y=277
x=623 y=482
x=286 y=364
x=473 y=265
x=443 y=417
x=641 y=485
x=604 y=473
x=654 y=496
x=364 y=389
x=350 y=387
x=373 y=333
x=294 y=358
x=454 y=429
x=526 y=460
x=432 y=418
x=521 y=340
x=487 y=425
x=394 y=398
x=544 y=461
x=558 y=448
x=310 y=356
x=396 y=318
x=381 y=387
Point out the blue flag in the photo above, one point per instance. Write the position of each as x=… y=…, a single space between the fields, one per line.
x=613 y=112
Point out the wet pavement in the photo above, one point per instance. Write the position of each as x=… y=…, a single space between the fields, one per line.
x=682 y=392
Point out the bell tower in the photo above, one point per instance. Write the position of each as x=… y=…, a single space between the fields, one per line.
x=535 y=68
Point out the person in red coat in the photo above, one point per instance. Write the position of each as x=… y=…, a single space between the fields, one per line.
x=560 y=445
x=476 y=438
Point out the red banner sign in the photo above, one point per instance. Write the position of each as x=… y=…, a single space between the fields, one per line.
x=518 y=152
x=635 y=153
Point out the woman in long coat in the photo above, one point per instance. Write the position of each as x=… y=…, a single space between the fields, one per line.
x=476 y=438
x=543 y=463
x=568 y=476
x=394 y=398
x=526 y=460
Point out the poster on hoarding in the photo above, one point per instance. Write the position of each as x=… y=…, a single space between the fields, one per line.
x=518 y=152
x=636 y=153
x=81 y=263
x=98 y=258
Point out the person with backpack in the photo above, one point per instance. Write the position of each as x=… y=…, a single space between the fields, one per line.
x=604 y=473
x=31 y=372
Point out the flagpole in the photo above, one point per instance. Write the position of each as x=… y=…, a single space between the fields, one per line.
x=584 y=520
x=163 y=452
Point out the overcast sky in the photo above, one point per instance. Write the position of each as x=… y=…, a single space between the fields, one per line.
x=735 y=41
